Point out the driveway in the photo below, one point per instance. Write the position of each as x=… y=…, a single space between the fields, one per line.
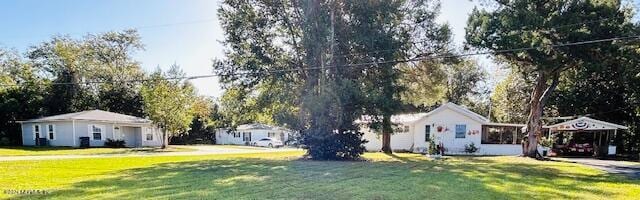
x=198 y=150
x=629 y=169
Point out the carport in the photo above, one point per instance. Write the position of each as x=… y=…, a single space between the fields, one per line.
x=584 y=137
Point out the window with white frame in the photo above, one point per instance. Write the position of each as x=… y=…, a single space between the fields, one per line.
x=149 y=136
x=96 y=132
x=51 y=130
x=246 y=136
x=427 y=133
x=36 y=132
x=461 y=130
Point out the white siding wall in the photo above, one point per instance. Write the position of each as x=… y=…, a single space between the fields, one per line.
x=157 y=136
x=449 y=119
x=27 y=134
x=83 y=130
x=399 y=141
x=501 y=149
x=64 y=133
x=225 y=137
x=415 y=139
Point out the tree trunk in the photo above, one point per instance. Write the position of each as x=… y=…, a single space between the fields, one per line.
x=164 y=139
x=386 y=134
x=539 y=96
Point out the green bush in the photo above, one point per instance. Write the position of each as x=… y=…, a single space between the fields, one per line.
x=546 y=142
x=328 y=145
x=433 y=148
x=470 y=148
x=114 y=143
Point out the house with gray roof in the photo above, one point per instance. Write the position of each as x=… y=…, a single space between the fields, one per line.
x=95 y=125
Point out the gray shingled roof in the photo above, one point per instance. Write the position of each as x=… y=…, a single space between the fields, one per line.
x=260 y=126
x=411 y=118
x=93 y=115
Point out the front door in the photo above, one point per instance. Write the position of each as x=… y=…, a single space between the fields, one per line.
x=37 y=139
x=129 y=136
x=116 y=133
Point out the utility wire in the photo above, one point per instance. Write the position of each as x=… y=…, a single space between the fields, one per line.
x=523 y=29
x=374 y=63
x=131 y=27
x=500 y=51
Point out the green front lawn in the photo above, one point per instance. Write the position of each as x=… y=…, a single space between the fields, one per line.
x=44 y=151
x=283 y=176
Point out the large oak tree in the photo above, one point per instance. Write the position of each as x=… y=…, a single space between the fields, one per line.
x=534 y=27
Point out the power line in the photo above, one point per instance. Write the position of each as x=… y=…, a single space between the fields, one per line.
x=177 y=23
x=207 y=20
x=522 y=29
x=500 y=51
x=375 y=63
x=569 y=25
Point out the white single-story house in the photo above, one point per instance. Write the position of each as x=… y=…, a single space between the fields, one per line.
x=97 y=125
x=245 y=134
x=453 y=126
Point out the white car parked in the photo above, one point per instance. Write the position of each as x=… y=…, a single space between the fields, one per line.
x=268 y=142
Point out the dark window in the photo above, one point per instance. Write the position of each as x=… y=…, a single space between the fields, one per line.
x=271 y=134
x=246 y=136
x=51 y=132
x=461 y=130
x=236 y=134
x=149 y=137
x=97 y=132
x=501 y=135
x=97 y=136
x=427 y=133
x=265 y=139
x=36 y=131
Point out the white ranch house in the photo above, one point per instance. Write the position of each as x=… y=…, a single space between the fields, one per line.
x=247 y=133
x=97 y=125
x=454 y=126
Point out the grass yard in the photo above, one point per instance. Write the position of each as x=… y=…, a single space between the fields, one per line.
x=44 y=151
x=283 y=176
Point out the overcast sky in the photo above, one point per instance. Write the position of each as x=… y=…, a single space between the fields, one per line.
x=185 y=32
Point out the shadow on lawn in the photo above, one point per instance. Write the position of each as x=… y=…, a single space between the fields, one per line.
x=36 y=148
x=410 y=178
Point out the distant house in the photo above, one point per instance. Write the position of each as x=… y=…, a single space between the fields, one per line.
x=248 y=133
x=453 y=126
x=97 y=125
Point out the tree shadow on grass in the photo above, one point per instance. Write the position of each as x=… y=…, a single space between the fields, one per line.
x=409 y=178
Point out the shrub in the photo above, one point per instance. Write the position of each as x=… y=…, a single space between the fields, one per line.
x=470 y=148
x=433 y=148
x=328 y=145
x=546 y=142
x=5 y=141
x=114 y=143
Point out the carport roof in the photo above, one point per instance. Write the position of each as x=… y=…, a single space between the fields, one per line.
x=260 y=126
x=585 y=123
